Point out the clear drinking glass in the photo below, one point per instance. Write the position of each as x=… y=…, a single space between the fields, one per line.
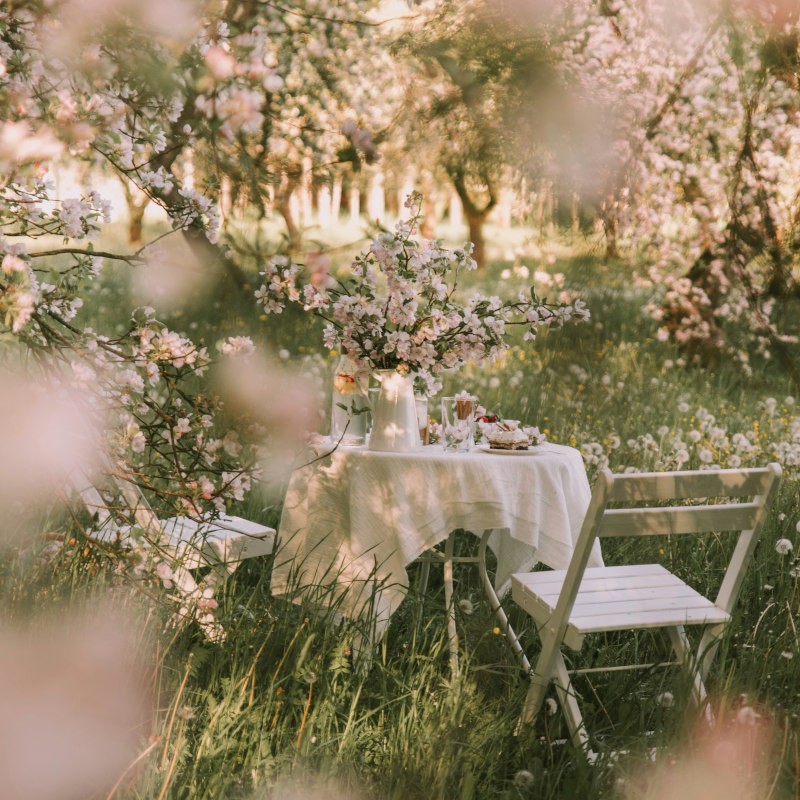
x=458 y=423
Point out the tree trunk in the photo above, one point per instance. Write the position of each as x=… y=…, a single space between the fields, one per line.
x=136 y=201
x=476 y=216
x=355 y=205
x=136 y=224
x=283 y=197
x=475 y=222
x=609 y=218
x=336 y=200
x=427 y=226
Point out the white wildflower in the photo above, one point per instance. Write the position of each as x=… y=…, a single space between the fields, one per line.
x=666 y=700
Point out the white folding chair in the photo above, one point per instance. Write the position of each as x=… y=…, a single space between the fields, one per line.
x=183 y=543
x=568 y=604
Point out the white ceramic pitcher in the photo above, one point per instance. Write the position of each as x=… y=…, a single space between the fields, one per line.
x=394 y=418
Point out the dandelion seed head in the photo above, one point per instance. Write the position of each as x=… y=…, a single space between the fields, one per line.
x=465 y=607
x=783 y=547
x=524 y=780
x=666 y=700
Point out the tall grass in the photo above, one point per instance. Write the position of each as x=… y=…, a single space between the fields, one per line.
x=282 y=698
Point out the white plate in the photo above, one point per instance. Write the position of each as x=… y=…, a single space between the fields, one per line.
x=531 y=450
x=325 y=445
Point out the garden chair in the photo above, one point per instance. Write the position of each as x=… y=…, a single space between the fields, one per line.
x=184 y=544
x=568 y=604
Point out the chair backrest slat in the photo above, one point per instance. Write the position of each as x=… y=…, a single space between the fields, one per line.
x=631 y=487
x=660 y=521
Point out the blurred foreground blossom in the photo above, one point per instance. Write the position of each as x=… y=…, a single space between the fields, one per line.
x=579 y=130
x=277 y=405
x=49 y=434
x=72 y=22
x=75 y=709
x=169 y=276
x=730 y=760
x=21 y=144
x=778 y=14
x=313 y=788
x=531 y=13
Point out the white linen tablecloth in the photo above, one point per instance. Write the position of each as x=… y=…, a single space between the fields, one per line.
x=354 y=519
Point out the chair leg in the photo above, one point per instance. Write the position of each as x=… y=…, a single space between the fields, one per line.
x=452 y=632
x=683 y=650
x=424 y=575
x=497 y=608
x=541 y=676
x=551 y=667
x=190 y=594
x=707 y=649
x=219 y=573
x=570 y=707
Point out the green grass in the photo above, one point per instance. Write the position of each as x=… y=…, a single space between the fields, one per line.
x=280 y=700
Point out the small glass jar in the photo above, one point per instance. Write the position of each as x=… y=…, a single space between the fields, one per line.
x=349 y=405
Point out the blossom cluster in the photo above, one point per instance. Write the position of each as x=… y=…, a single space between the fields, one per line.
x=399 y=308
x=174 y=440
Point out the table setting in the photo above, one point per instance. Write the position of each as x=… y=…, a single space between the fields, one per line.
x=355 y=518
x=390 y=481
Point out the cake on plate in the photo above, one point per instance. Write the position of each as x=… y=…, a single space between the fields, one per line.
x=505 y=438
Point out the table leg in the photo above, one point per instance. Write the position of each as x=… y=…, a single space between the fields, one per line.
x=424 y=575
x=497 y=608
x=452 y=633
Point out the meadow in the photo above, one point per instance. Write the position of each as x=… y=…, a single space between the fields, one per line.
x=279 y=710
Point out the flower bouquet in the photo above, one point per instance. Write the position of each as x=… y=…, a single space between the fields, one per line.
x=399 y=310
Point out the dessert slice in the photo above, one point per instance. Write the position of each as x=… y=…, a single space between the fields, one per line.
x=503 y=438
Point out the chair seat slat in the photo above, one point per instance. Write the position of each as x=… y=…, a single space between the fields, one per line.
x=653 y=618
x=628 y=576
x=596 y=593
x=677 y=592
x=556 y=576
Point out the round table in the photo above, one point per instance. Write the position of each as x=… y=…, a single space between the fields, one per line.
x=354 y=519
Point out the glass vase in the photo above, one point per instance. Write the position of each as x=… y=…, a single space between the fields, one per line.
x=394 y=417
x=349 y=407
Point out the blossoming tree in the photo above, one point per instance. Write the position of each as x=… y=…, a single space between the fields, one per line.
x=243 y=93
x=707 y=105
